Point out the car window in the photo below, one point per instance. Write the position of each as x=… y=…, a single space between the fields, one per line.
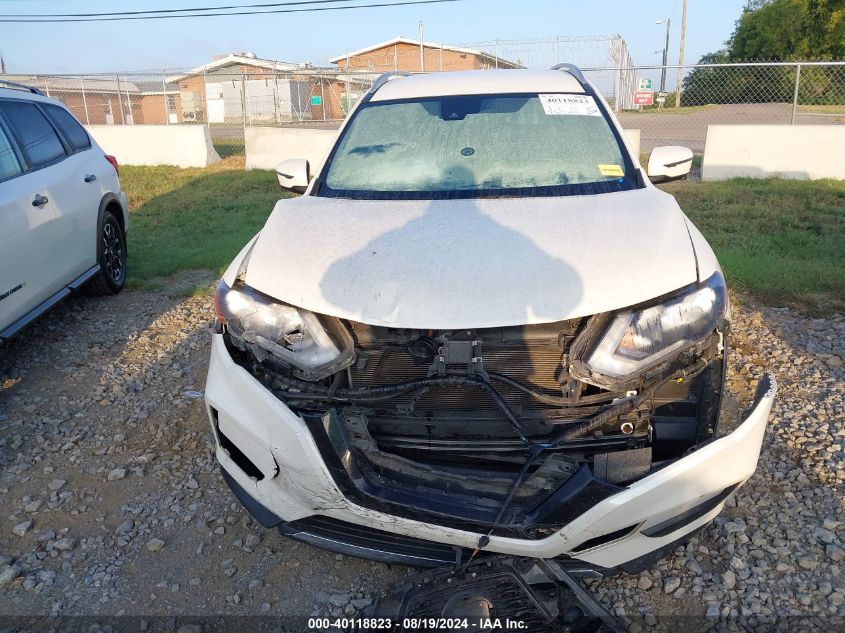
x=75 y=134
x=39 y=138
x=9 y=165
x=476 y=146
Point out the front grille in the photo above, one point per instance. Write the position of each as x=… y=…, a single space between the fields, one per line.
x=360 y=540
x=536 y=364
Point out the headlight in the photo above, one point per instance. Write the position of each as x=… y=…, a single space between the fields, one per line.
x=637 y=340
x=316 y=346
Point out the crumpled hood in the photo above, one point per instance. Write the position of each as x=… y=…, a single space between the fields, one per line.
x=450 y=264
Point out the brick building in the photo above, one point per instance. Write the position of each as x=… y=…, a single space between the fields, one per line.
x=159 y=102
x=242 y=86
x=92 y=100
x=107 y=101
x=403 y=53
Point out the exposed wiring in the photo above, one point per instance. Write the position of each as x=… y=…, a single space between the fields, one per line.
x=313 y=391
x=555 y=400
x=484 y=541
x=628 y=404
x=384 y=392
x=578 y=431
x=535 y=449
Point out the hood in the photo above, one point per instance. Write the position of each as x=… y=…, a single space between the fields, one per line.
x=448 y=264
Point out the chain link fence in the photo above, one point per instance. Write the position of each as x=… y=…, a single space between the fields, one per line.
x=612 y=70
x=781 y=93
x=229 y=103
x=753 y=93
x=226 y=101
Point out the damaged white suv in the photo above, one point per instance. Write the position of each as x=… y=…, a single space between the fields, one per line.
x=480 y=329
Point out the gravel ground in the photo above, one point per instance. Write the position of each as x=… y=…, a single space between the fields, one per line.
x=776 y=551
x=112 y=504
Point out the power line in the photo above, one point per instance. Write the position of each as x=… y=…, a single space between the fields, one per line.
x=153 y=11
x=209 y=15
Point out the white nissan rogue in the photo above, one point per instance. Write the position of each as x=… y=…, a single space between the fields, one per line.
x=62 y=214
x=480 y=329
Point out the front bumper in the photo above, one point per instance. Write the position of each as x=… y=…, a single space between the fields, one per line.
x=288 y=478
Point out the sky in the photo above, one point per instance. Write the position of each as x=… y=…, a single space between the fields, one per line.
x=316 y=37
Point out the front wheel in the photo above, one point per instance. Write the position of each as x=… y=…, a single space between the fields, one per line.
x=111 y=255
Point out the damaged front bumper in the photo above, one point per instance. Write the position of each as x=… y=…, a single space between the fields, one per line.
x=498 y=593
x=273 y=459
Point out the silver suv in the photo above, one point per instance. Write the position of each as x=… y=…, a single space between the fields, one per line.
x=63 y=216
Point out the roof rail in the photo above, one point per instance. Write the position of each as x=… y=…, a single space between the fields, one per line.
x=20 y=86
x=573 y=70
x=385 y=77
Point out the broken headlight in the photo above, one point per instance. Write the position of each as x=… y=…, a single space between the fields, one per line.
x=639 y=339
x=314 y=346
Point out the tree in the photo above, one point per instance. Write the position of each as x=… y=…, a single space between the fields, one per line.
x=775 y=30
x=771 y=32
x=824 y=23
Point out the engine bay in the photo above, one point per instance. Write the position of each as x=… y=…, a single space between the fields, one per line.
x=499 y=427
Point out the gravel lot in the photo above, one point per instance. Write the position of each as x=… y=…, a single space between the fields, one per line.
x=112 y=504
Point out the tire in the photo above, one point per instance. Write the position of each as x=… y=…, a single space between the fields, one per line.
x=111 y=256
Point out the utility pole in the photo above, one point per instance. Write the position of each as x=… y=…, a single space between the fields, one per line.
x=681 y=56
x=348 y=86
x=668 y=22
x=422 y=50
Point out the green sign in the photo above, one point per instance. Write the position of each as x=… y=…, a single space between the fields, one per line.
x=316 y=100
x=645 y=84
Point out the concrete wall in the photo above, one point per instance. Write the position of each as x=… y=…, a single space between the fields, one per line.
x=266 y=147
x=760 y=151
x=180 y=145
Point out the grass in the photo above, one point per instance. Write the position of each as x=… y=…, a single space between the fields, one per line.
x=822 y=109
x=782 y=241
x=227 y=148
x=182 y=219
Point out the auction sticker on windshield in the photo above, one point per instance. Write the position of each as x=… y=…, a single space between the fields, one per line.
x=578 y=105
x=611 y=170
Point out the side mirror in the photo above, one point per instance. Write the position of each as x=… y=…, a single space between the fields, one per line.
x=670 y=162
x=294 y=174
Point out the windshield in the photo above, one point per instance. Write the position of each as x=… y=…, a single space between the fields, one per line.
x=478 y=146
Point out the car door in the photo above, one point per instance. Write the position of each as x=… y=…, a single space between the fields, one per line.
x=77 y=191
x=30 y=245
x=73 y=200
